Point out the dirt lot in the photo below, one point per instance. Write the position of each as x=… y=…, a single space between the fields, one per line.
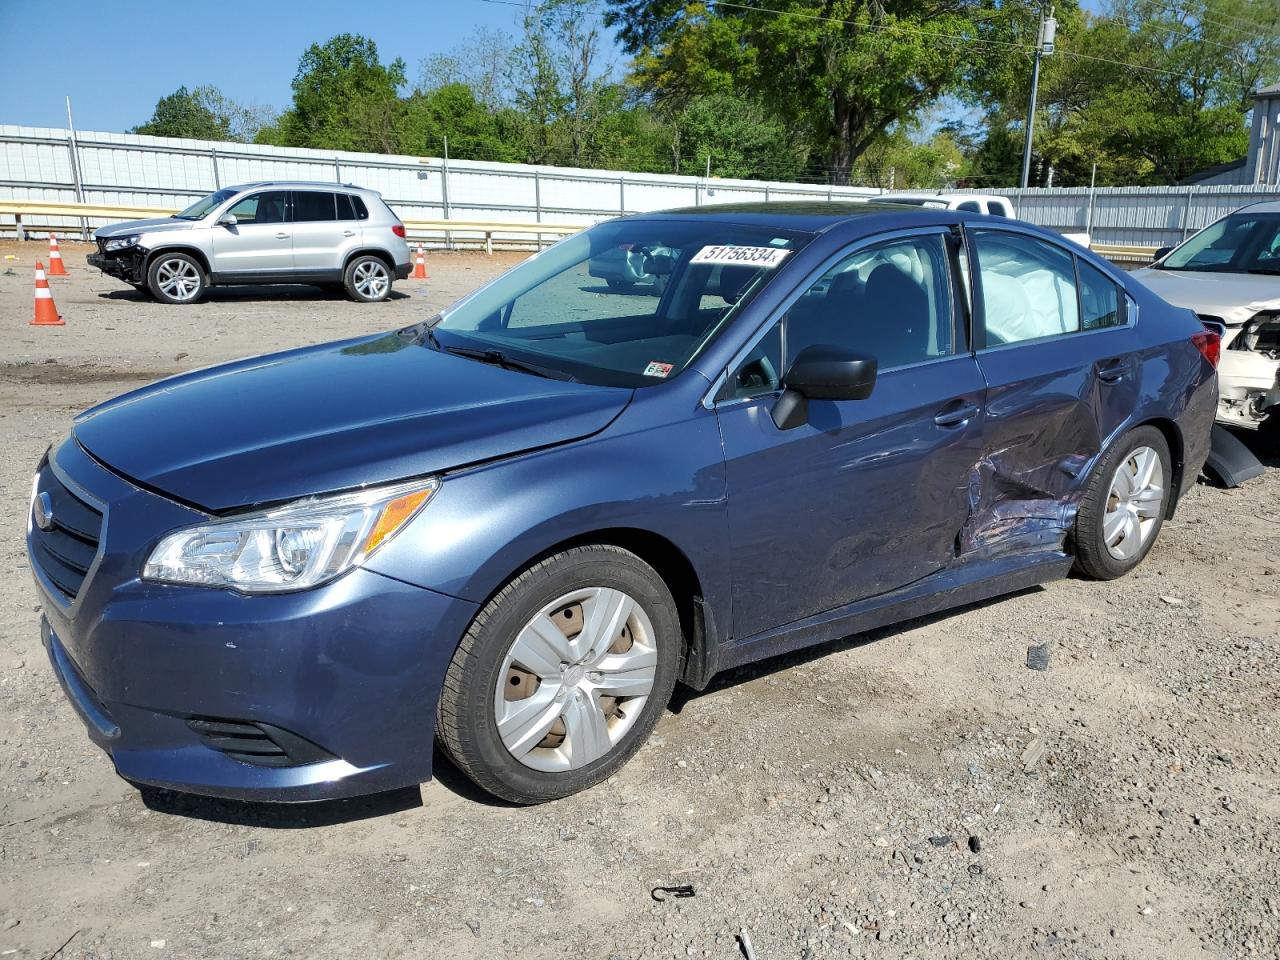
x=922 y=795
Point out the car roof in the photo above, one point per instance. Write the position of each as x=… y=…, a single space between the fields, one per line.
x=814 y=216
x=299 y=184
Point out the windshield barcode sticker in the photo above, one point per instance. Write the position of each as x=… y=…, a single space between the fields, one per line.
x=764 y=257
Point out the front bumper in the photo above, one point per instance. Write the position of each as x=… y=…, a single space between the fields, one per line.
x=352 y=668
x=126 y=265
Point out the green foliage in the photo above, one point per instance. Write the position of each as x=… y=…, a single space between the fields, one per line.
x=475 y=132
x=1149 y=92
x=344 y=98
x=204 y=113
x=883 y=92
x=839 y=72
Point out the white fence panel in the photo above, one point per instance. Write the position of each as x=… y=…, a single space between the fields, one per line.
x=127 y=169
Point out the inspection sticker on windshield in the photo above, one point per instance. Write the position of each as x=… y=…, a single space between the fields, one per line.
x=764 y=257
x=656 y=369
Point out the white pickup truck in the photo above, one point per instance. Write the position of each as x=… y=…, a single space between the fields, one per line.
x=989 y=204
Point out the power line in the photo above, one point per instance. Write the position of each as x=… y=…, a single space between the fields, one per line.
x=1252 y=25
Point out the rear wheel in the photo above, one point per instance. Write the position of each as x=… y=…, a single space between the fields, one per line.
x=176 y=278
x=367 y=279
x=1124 y=506
x=562 y=676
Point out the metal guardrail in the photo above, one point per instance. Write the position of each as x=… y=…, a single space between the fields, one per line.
x=1124 y=253
x=18 y=209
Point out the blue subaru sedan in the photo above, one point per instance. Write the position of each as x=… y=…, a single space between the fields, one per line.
x=513 y=528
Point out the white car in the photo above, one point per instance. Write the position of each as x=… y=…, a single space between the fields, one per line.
x=1229 y=274
x=990 y=204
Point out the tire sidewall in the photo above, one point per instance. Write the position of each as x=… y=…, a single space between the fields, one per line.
x=348 y=278
x=1092 y=517
x=153 y=285
x=619 y=571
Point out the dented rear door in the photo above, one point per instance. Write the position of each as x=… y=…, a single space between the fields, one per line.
x=1062 y=378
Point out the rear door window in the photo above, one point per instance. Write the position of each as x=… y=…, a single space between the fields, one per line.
x=310 y=206
x=346 y=207
x=1028 y=287
x=1100 y=300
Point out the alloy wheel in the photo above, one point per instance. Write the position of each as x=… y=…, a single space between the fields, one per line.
x=1134 y=503
x=575 y=679
x=179 y=279
x=371 y=279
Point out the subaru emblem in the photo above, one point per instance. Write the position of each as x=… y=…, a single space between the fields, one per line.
x=43 y=511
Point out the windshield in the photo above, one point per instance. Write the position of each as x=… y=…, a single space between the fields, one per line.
x=626 y=303
x=1239 y=243
x=201 y=208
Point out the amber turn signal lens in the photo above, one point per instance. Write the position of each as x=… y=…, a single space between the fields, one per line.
x=396 y=514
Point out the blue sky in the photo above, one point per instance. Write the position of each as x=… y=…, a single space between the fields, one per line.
x=116 y=58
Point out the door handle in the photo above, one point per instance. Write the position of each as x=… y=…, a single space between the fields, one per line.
x=282 y=236
x=348 y=233
x=1111 y=371
x=953 y=416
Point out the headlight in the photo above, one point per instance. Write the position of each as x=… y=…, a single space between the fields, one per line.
x=119 y=243
x=294 y=547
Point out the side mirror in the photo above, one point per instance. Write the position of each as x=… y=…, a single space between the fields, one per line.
x=1162 y=252
x=822 y=372
x=227 y=220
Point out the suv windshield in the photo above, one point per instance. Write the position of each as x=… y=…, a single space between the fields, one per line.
x=1240 y=243
x=201 y=208
x=626 y=303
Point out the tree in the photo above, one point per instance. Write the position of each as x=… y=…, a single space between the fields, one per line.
x=482 y=63
x=344 y=98
x=186 y=113
x=842 y=71
x=560 y=82
x=474 y=131
x=742 y=138
x=1151 y=92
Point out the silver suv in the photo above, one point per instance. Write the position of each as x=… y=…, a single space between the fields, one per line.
x=330 y=235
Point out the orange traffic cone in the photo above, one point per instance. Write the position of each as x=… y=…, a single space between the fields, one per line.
x=420 y=265
x=46 y=312
x=56 y=267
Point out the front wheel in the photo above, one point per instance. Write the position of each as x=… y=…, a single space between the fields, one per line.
x=1124 y=505
x=367 y=279
x=176 y=278
x=562 y=676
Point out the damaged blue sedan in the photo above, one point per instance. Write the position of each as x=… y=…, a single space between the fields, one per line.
x=513 y=528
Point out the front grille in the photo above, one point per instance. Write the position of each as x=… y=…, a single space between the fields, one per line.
x=65 y=551
x=259 y=744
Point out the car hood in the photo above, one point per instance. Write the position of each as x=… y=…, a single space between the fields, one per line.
x=332 y=417
x=155 y=225
x=1235 y=297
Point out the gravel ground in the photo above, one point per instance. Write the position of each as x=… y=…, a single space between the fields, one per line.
x=918 y=792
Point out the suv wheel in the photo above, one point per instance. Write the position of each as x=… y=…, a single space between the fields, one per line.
x=1124 y=506
x=562 y=675
x=367 y=279
x=176 y=278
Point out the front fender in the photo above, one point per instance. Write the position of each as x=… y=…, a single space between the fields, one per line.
x=488 y=523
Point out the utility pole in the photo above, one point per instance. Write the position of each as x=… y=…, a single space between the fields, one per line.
x=1044 y=48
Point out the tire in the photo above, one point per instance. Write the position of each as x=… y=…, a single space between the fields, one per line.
x=1112 y=510
x=176 y=278
x=615 y=284
x=367 y=279
x=567 y=738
